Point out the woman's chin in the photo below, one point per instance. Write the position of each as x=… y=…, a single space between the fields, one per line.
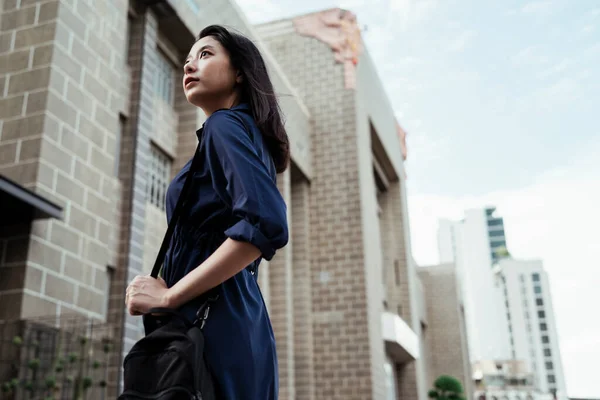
x=194 y=98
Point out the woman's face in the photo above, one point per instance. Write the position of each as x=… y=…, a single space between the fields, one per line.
x=209 y=80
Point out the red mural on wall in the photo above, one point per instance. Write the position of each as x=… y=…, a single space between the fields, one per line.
x=339 y=30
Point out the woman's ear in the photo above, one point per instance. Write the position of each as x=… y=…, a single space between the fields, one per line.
x=239 y=78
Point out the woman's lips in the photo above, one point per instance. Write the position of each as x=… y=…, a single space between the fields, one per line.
x=189 y=80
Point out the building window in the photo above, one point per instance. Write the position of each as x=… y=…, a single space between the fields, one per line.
x=397 y=271
x=551 y=379
x=158 y=177
x=547 y=353
x=495 y=222
x=541 y=314
x=535 y=277
x=543 y=327
x=165 y=78
x=549 y=365
x=539 y=302
x=119 y=138
x=545 y=339
x=537 y=289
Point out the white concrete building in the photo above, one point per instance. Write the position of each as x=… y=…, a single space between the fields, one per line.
x=532 y=327
x=471 y=244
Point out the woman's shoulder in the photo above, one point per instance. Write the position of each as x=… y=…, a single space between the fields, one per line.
x=229 y=123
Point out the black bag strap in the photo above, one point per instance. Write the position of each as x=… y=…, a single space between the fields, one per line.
x=181 y=200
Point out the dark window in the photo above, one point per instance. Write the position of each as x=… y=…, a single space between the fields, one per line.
x=397 y=270
x=541 y=314
x=130 y=20
x=547 y=353
x=495 y=222
x=118 y=139
x=495 y=243
x=543 y=327
x=497 y=233
x=539 y=302
x=545 y=339
x=549 y=365
x=535 y=277
x=537 y=289
x=551 y=379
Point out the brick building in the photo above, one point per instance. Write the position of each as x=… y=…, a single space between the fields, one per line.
x=444 y=337
x=93 y=126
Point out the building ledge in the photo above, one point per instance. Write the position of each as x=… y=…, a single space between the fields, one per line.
x=20 y=204
x=401 y=342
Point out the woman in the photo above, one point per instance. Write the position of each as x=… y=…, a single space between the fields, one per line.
x=236 y=215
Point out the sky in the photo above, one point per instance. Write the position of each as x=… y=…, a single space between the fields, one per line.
x=501 y=101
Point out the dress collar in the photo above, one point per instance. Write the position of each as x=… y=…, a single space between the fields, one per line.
x=241 y=107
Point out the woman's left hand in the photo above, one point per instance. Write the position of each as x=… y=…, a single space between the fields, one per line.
x=145 y=293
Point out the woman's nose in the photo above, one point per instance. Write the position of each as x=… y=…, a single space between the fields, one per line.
x=189 y=67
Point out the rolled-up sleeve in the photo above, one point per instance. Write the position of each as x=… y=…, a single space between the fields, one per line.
x=243 y=182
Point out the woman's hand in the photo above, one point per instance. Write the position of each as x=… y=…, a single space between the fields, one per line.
x=145 y=293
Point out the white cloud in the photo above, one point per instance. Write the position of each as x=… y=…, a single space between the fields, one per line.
x=409 y=12
x=425 y=149
x=557 y=68
x=529 y=56
x=536 y=7
x=588 y=29
x=461 y=41
x=258 y=11
x=557 y=220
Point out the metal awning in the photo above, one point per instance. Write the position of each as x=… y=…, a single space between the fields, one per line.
x=18 y=204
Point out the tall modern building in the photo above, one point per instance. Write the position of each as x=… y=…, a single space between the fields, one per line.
x=473 y=244
x=532 y=326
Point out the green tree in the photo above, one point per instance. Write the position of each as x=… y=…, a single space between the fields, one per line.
x=502 y=252
x=447 y=387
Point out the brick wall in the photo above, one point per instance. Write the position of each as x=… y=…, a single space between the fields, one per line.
x=63 y=140
x=301 y=284
x=281 y=301
x=342 y=366
x=445 y=333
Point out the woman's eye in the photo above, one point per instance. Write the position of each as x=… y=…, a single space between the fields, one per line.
x=204 y=53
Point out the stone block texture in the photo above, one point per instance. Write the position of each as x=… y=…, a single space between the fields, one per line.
x=445 y=334
x=59 y=124
x=351 y=254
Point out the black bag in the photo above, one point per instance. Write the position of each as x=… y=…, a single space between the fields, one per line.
x=168 y=363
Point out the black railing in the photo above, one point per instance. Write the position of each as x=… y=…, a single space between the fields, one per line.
x=66 y=358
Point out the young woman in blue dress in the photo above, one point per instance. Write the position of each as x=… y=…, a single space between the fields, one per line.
x=236 y=215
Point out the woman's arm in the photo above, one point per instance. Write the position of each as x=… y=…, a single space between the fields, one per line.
x=259 y=215
x=145 y=292
x=229 y=259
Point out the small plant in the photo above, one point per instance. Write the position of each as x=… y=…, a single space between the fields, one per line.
x=447 y=387
x=57 y=364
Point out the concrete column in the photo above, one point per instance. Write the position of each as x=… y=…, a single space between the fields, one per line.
x=282 y=311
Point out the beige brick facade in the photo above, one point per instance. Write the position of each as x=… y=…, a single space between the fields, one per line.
x=445 y=337
x=93 y=121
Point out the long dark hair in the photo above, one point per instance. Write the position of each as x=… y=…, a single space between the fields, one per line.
x=256 y=89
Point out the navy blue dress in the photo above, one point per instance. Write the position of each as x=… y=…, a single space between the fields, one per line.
x=234 y=194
